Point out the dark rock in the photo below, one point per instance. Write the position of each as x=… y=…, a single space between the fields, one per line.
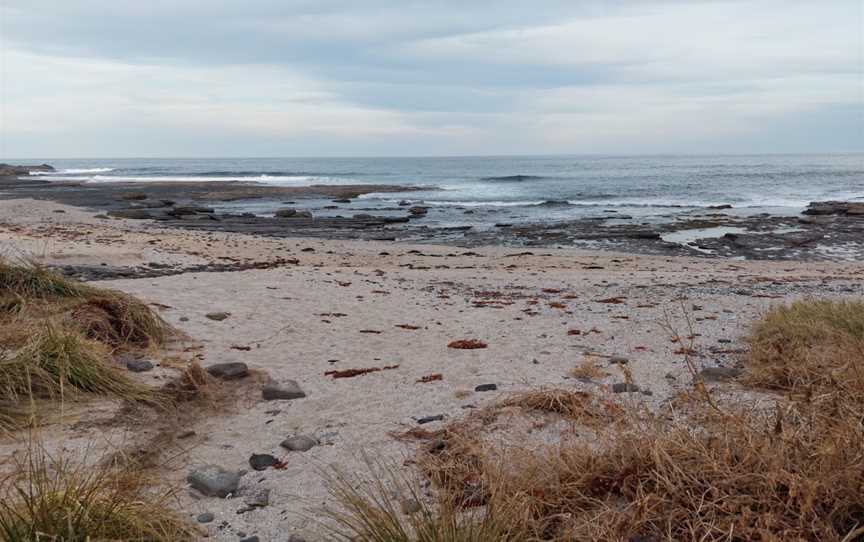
x=724 y=206
x=282 y=392
x=619 y=360
x=133 y=196
x=132 y=214
x=217 y=316
x=258 y=499
x=341 y=200
x=430 y=419
x=228 y=371
x=285 y=213
x=139 y=365
x=418 y=210
x=214 y=481
x=486 y=387
x=299 y=443
x=262 y=461
x=206 y=517
x=250 y=539
x=719 y=373
x=624 y=387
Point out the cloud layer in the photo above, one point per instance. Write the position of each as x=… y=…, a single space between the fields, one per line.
x=340 y=77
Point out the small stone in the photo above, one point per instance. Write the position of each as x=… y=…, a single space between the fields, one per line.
x=299 y=443
x=719 y=373
x=288 y=390
x=409 y=506
x=206 y=517
x=486 y=387
x=228 y=371
x=217 y=316
x=139 y=365
x=262 y=461
x=669 y=376
x=619 y=360
x=724 y=341
x=184 y=318
x=430 y=419
x=214 y=481
x=250 y=539
x=259 y=499
x=285 y=213
x=624 y=387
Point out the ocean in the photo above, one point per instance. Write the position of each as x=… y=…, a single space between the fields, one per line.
x=531 y=188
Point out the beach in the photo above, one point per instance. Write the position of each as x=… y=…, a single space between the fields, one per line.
x=298 y=308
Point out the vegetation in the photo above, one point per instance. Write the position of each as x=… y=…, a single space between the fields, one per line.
x=770 y=469
x=57 y=500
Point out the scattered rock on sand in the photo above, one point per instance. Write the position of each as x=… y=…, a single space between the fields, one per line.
x=719 y=373
x=228 y=371
x=262 y=461
x=619 y=360
x=299 y=443
x=486 y=387
x=206 y=517
x=624 y=387
x=430 y=419
x=132 y=214
x=139 y=365
x=214 y=481
x=282 y=392
x=217 y=316
x=258 y=499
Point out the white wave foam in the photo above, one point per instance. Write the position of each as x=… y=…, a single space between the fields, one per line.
x=73 y=171
x=294 y=180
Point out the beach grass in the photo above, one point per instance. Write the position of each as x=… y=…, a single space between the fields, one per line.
x=56 y=499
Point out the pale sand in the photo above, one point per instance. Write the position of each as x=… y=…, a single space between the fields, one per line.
x=286 y=316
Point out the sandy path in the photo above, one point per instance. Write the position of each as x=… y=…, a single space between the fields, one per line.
x=300 y=321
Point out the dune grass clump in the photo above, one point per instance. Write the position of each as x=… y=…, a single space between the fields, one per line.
x=57 y=500
x=30 y=280
x=809 y=344
x=120 y=321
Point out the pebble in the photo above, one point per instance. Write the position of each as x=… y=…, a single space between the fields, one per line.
x=139 y=365
x=218 y=316
x=262 y=461
x=486 y=387
x=624 y=387
x=619 y=360
x=429 y=419
x=719 y=373
x=214 y=481
x=299 y=443
x=259 y=499
x=285 y=391
x=206 y=517
x=250 y=539
x=228 y=371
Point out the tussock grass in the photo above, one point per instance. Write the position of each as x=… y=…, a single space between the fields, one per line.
x=732 y=473
x=809 y=345
x=581 y=406
x=59 y=500
x=120 y=321
x=57 y=362
x=30 y=280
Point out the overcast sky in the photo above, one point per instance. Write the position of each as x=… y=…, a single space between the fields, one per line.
x=110 y=78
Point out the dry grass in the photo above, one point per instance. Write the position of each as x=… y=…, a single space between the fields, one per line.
x=588 y=369
x=50 y=499
x=120 y=321
x=791 y=472
x=29 y=280
x=808 y=346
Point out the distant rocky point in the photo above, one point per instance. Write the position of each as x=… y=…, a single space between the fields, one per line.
x=8 y=170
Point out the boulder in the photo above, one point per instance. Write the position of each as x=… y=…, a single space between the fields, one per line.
x=299 y=443
x=214 y=481
x=228 y=371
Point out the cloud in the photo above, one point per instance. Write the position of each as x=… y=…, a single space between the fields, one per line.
x=337 y=77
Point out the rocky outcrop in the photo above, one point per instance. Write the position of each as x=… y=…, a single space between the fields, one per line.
x=835 y=208
x=8 y=170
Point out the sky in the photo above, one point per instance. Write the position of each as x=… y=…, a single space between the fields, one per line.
x=174 y=78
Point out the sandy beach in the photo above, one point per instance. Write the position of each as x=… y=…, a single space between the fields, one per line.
x=325 y=306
